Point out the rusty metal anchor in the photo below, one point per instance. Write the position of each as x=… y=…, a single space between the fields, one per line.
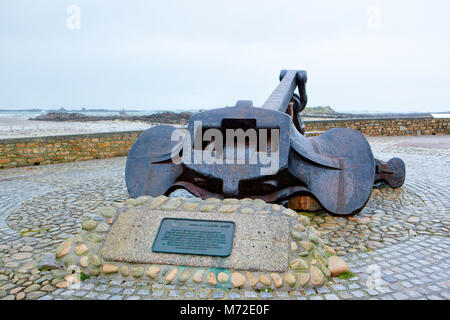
x=337 y=168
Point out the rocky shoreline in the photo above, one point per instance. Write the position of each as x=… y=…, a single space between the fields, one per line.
x=166 y=117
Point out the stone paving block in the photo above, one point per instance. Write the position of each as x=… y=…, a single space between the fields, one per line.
x=331 y=296
x=189 y=294
x=338 y=287
x=345 y=295
x=323 y=289
x=399 y=296
x=250 y=294
x=115 y=290
x=158 y=293
x=143 y=292
x=358 y=293
x=218 y=294
x=174 y=293
x=128 y=291
x=91 y=295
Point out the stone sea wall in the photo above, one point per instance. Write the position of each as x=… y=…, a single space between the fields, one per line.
x=386 y=126
x=45 y=150
x=21 y=152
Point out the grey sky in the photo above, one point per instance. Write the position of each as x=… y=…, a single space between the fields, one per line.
x=204 y=54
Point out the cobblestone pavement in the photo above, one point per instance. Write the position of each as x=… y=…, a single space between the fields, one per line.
x=397 y=247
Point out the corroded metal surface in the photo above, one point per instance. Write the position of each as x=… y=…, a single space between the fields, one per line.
x=337 y=168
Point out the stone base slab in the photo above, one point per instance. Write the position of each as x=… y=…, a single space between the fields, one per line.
x=260 y=243
x=115 y=243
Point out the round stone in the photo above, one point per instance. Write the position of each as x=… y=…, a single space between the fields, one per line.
x=130 y=202
x=299 y=227
x=230 y=201
x=88 y=225
x=84 y=261
x=413 y=219
x=252 y=279
x=294 y=246
x=141 y=200
x=298 y=264
x=94 y=272
x=288 y=212
x=102 y=227
x=303 y=220
x=108 y=212
x=190 y=206
x=211 y=278
x=228 y=208
x=247 y=210
x=95 y=260
x=137 y=272
x=337 y=266
x=158 y=201
x=296 y=235
x=198 y=276
x=109 y=268
x=171 y=275
x=64 y=248
x=317 y=277
x=125 y=271
x=93 y=237
x=171 y=205
x=222 y=277
x=276 y=207
x=303 y=278
x=153 y=271
x=237 y=279
x=185 y=275
x=289 y=278
x=265 y=280
x=208 y=208
x=81 y=249
x=277 y=280
x=306 y=245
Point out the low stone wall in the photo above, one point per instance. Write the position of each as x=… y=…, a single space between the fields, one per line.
x=45 y=150
x=386 y=126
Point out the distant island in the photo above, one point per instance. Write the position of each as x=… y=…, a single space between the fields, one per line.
x=319 y=110
x=181 y=118
x=159 y=117
x=63 y=110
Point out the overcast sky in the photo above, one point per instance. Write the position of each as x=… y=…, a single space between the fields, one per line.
x=390 y=56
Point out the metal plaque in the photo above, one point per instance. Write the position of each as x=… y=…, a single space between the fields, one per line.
x=194 y=236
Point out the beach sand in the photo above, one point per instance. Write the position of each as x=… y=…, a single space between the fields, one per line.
x=17 y=127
